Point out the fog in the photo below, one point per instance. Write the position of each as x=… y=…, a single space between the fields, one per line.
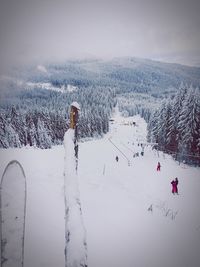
x=37 y=31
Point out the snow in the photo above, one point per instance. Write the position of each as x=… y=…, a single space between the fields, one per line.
x=70 y=88
x=76 y=254
x=76 y=105
x=45 y=224
x=13 y=202
x=130 y=216
x=41 y=85
x=42 y=68
x=48 y=86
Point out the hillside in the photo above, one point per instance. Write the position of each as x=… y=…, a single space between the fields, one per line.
x=124 y=74
x=130 y=215
x=36 y=99
x=143 y=75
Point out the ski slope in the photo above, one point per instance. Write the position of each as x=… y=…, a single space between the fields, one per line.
x=130 y=215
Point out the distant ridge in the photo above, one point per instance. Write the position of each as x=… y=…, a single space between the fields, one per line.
x=127 y=74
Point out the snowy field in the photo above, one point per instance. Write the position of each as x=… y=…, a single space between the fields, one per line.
x=131 y=217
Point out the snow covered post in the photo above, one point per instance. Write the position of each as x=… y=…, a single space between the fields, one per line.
x=74 y=125
x=75 y=236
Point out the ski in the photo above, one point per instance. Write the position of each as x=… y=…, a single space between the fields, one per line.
x=12 y=215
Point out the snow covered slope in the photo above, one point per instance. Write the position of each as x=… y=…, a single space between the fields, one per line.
x=130 y=215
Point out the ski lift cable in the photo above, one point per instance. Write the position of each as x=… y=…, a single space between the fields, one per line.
x=120 y=151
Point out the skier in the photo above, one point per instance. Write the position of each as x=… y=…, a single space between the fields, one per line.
x=117 y=158
x=175 y=186
x=158 y=166
x=142 y=152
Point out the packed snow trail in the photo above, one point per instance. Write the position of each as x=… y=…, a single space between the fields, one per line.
x=121 y=231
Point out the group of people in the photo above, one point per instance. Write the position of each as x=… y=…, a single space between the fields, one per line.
x=174 y=182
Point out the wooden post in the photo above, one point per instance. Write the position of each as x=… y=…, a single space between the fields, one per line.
x=74 y=115
x=73 y=125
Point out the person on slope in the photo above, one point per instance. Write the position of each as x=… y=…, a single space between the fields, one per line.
x=117 y=158
x=174 y=184
x=158 y=166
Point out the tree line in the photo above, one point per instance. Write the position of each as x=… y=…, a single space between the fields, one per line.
x=40 y=117
x=175 y=126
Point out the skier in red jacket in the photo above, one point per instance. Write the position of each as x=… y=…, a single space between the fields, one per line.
x=175 y=186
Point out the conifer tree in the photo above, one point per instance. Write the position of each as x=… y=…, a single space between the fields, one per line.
x=43 y=138
x=189 y=124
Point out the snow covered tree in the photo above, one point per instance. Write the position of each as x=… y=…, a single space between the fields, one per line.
x=174 y=134
x=152 y=127
x=167 y=125
x=18 y=123
x=11 y=136
x=4 y=143
x=189 y=125
x=176 y=126
x=31 y=130
x=43 y=138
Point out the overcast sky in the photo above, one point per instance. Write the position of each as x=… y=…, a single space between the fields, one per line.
x=33 y=30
